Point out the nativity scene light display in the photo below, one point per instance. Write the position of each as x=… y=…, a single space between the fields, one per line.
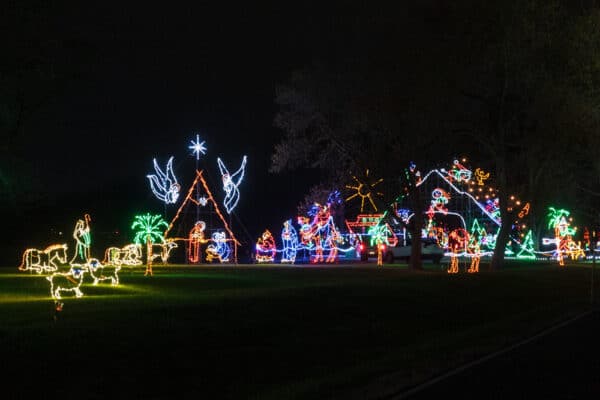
x=462 y=220
x=210 y=240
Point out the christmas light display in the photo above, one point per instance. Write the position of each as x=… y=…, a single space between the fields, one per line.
x=164 y=184
x=83 y=240
x=563 y=236
x=379 y=238
x=459 y=192
x=218 y=249
x=364 y=191
x=162 y=251
x=130 y=255
x=199 y=180
x=321 y=234
x=99 y=274
x=289 y=239
x=439 y=200
x=481 y=176
x=265 y=248
x=196 y=239
x=458 y=172
x=231 y=183
x=479 y=200
x=198 y=147
x=457 y=242
x=148 y=231
x=524 y=211
x=474 y=249
x=526 y=251
x=66 y=282
x=47 y=260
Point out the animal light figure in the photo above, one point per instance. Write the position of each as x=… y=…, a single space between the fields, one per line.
x=97 y=272
x=231 y=183
x=289 y=238
x=164 y=184
x=47 y=260
x=218 y=249
x=265 y=248
x=66 y=282
x=130 y=255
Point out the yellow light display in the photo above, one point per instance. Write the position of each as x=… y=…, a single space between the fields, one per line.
x=364 y=191
x=47 y=260
x=130 y=255
x=481 y=176
x=162 y=251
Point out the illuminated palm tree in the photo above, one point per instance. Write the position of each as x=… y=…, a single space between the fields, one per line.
x=148 y=230
x=555 y=216
x=557 y=220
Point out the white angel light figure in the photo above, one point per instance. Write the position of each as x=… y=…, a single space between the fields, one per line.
x=164 y=184
x=231 y=183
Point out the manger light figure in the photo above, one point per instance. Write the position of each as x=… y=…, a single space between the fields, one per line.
x=231 y=183
x=164 y=184
x=218 y=249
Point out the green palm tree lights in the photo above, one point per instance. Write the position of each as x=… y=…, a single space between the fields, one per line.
x=557 y=219
x=148 y=230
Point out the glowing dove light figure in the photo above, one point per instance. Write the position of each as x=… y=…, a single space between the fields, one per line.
x=164 y=184
x=231 y=183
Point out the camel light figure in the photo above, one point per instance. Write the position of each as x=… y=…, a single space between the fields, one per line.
x=164 y=184
x=231 y=183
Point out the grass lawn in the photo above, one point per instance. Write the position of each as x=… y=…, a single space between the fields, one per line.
x=269 y=332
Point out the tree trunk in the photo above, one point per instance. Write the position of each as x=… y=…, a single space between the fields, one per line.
x=415 y=262
x=505 y=217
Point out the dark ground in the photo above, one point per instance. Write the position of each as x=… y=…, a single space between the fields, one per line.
x=565 y=364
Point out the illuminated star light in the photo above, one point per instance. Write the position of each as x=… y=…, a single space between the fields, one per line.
x=198 y=147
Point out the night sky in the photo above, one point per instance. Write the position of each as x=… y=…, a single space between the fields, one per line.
x=143 y=81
